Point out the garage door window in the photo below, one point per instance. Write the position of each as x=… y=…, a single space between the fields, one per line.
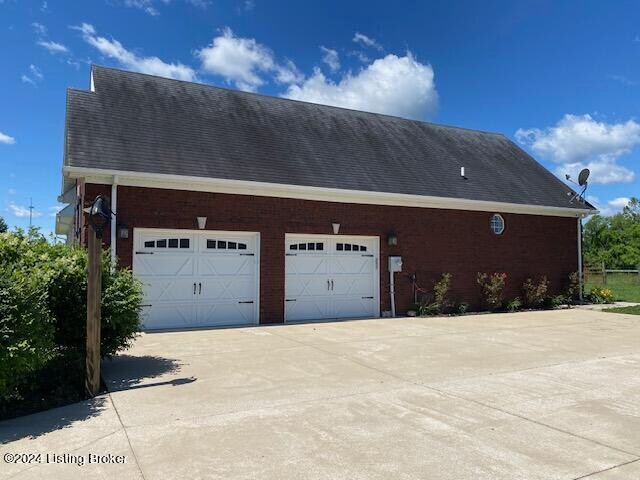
x=168 y=243
x=225 y=245
x=307 y=246
x=350 y=247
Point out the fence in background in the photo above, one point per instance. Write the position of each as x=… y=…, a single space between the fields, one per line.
x=601 y=275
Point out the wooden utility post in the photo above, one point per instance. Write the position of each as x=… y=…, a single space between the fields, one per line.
x=94 y=294
x=99 y=216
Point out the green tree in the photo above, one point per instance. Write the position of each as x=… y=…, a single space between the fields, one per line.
x=614 y=240
x=3 y=225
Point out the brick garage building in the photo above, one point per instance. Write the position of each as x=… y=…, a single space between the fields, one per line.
x=237 y=208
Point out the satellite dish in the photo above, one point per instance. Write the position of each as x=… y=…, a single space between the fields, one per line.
x=583 y=176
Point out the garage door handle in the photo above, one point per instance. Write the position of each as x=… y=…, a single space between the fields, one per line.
x=199 y=288
x=144 y=253
x=331 y=284
x=194 y=288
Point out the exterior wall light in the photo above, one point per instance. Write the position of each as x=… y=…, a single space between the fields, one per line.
x=392 y=239
x=99 y=214
x=202 y=222
x=123 y=231
x=336 y=228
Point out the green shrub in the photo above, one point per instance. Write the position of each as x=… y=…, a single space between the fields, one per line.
x=601 y=295
x=492 y=288
x=572 y=288
x=554 y=302
x=514 y=305
x=534 y=292
x=441 y=302
x=26 y=330
x=462 y=308
x=43 y=291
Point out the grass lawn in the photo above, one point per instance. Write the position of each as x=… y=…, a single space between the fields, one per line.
x=625 y=287
x=635 y=310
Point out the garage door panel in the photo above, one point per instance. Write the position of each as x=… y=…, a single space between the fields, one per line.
x=170 y=315
x=169 y=290
x=223 y=266
x=233 y=312
x=226 y=265
x=340 y=281
x=159 y=264
x=353 y=285
x=352 y=265
x=353 y=306
x=306 y=265
x=307 y=286
x=308 y=308
x=228 y=288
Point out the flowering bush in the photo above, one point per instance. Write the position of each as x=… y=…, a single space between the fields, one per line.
x=534 y=292
x=492 y=287
x=601 y=295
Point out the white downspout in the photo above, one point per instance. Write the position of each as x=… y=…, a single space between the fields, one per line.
x=114 y=206
x=392 y=292
x=580 y=257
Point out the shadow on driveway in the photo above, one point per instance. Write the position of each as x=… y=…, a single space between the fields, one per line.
x=120 y=373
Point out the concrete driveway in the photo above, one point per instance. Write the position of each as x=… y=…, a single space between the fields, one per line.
x=540 y=395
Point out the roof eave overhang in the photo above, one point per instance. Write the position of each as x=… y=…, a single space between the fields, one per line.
x=241 y=187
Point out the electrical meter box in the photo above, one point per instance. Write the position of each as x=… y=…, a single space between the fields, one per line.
x=395 y=264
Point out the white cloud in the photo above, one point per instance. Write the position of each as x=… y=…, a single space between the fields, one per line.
x=12 y=191
x=362 y=39
x=39 y=28
x=149 y=6
x=6 y=139
x=52 y=47
x=392 y=85
x=22 y=211
x=331 y=58
x=623 y=80
x=242 y=61
x=35 y=75
x=54 y=210
x=619 y=202
x=609 y=208
x=26 y=79
x=151 y=65
x=579 y=141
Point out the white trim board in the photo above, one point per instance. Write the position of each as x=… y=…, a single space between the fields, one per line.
x=241 y=187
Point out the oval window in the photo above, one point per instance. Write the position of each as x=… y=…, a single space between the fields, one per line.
x=497 y=224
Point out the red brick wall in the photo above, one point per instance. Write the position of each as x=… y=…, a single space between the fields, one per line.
x=430 y=241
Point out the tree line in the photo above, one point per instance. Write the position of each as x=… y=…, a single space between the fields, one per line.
x=614 y=240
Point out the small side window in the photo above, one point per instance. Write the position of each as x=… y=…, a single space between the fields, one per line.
x=497 y=224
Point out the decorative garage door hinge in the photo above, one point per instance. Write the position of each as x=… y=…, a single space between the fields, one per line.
x=290 y=300
x=367 y=297
x=144 y=253
x=246 y=254
x=291 y=254
x=367 y=255
x=248 y=301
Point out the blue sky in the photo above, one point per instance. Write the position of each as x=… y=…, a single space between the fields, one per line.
x=560 y=78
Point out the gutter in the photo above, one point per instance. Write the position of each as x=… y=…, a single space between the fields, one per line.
x=242 y=187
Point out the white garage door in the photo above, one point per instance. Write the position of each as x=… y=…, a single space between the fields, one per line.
x=197 y=279
x=331 y=277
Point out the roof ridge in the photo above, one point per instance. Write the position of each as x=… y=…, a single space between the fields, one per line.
x=273 y=97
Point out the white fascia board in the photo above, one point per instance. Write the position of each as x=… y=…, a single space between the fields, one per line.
x=241 y=187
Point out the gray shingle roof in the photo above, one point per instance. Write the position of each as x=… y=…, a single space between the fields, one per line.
x=142 y=123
